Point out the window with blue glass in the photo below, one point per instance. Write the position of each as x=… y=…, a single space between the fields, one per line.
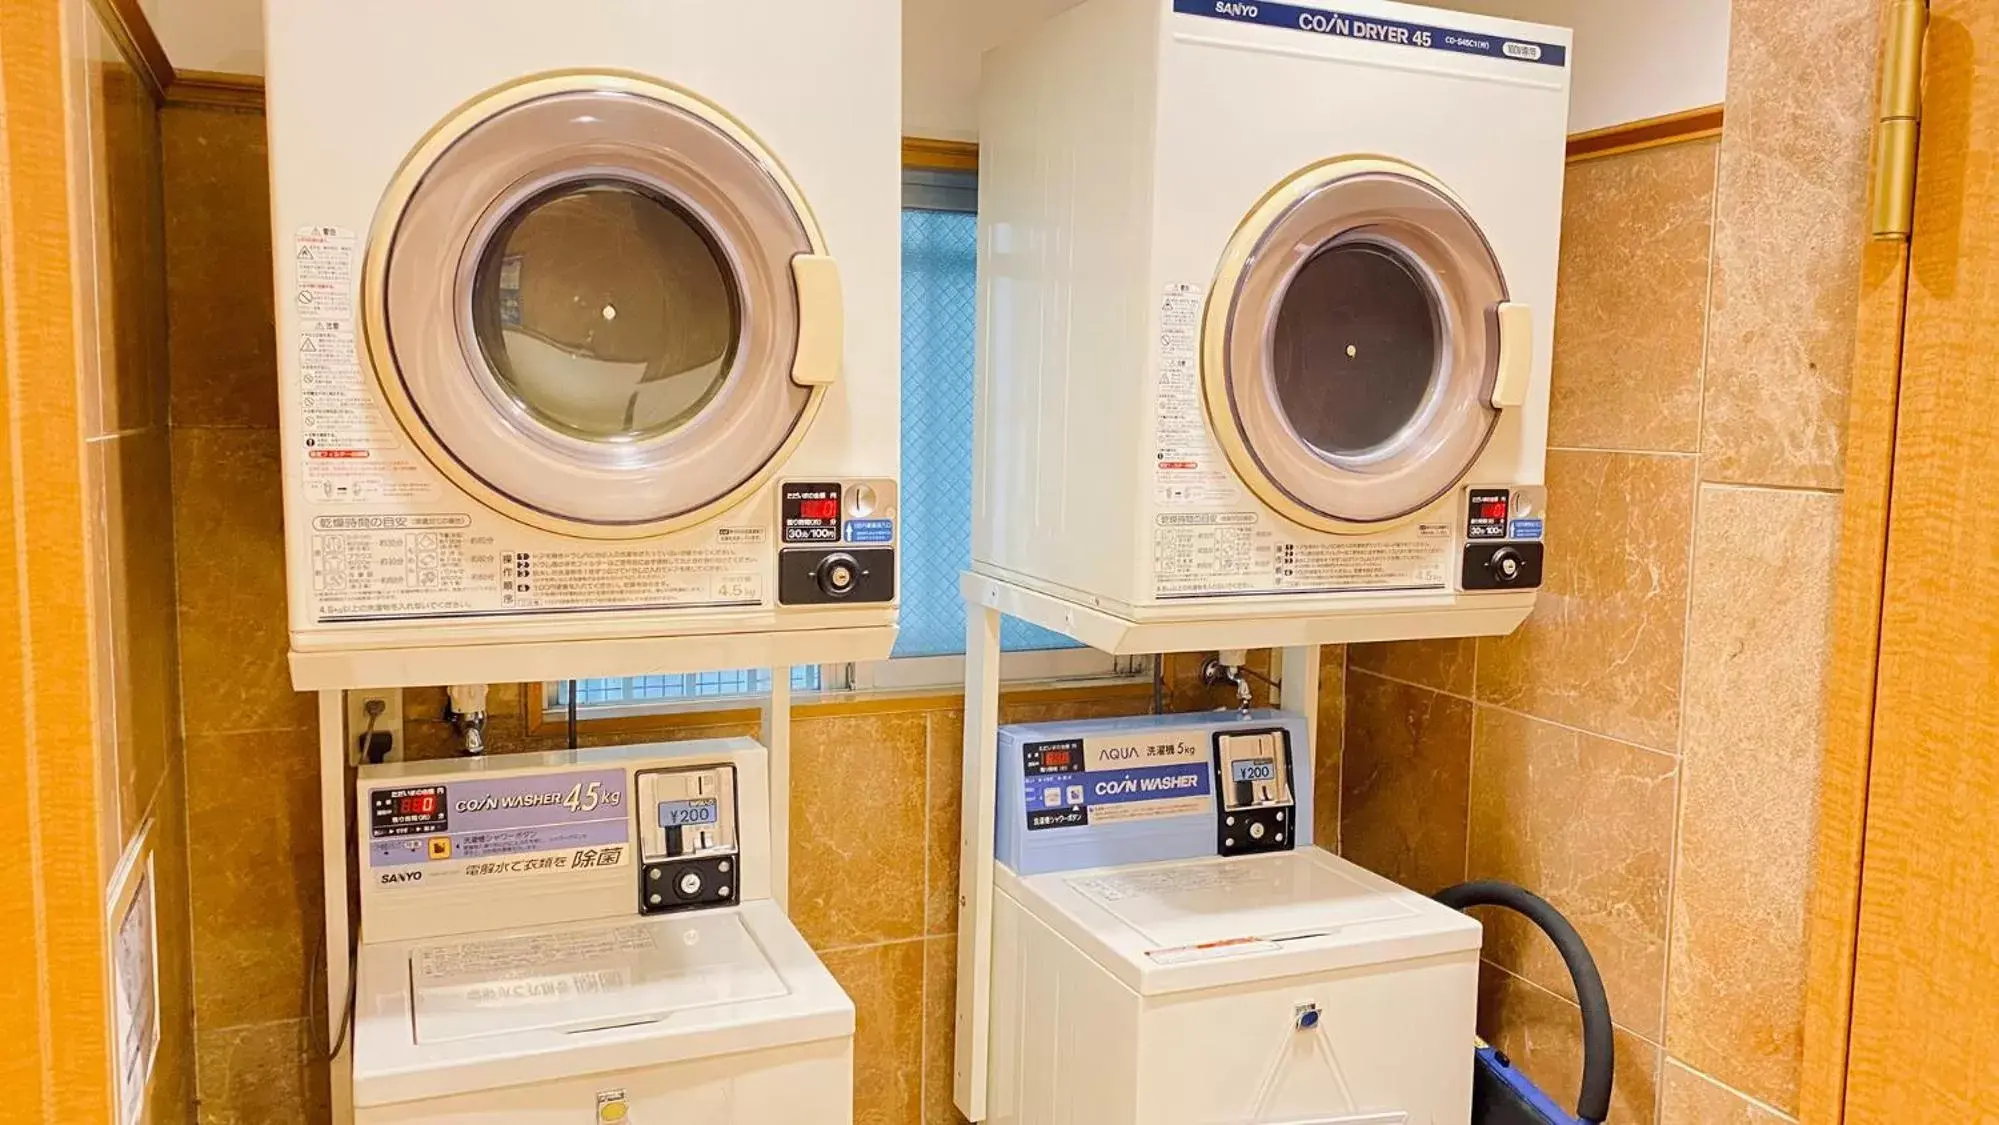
x=940 y=255
x=685 y=687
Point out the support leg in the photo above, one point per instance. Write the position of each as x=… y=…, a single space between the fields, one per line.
x=777 y=740
x=975 y=860
x=335 y=797
x=1298 y=692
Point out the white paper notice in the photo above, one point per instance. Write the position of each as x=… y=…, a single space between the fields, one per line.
x=1189 y=470
x=350 y=446
x=135 y=980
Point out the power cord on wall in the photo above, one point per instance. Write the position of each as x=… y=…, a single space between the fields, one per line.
x=315 y=975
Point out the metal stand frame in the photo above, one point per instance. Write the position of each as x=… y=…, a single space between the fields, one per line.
x=336 y=803
x=1297 y=678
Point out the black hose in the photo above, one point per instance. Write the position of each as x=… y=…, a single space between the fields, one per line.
x=1599 y=1045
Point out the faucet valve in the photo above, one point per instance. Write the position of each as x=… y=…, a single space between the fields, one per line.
x=468 y=713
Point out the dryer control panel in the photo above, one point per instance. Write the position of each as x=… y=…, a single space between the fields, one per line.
x=838 y=540
x=1503 y=528
x=1257 y=811
x=688 y=853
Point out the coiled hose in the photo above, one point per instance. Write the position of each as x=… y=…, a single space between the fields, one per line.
x=1599 y=1045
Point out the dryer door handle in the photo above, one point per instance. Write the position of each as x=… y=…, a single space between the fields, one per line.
x=1514 y=326
x=822 y=319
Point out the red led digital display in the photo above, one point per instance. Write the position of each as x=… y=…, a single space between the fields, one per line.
x=1057 y=759
x=819 y=509
x=421 y=804
x=1496 y=510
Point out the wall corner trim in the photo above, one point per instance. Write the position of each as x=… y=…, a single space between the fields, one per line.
x=128 y=25
x=1651 y=132
x=935 y=155
x=215 y=89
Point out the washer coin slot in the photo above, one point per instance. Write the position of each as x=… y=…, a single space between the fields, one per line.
x=688 y=846
x=1253 y=775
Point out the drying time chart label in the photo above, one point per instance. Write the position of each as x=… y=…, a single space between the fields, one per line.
x=1214 y=554
x=386 y=567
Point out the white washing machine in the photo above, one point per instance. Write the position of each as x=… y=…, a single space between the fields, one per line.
x=1267 y=299
x=588 y=324
x=1169 y=949
x=586 y=936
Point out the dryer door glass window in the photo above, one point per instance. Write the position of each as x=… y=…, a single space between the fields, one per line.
x=587 y=308
x=1354 y=348
x=605 y=311
x=1359 y=349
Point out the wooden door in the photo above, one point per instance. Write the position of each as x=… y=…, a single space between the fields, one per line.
x=1923 y=1042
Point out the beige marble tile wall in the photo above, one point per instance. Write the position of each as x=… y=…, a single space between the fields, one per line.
x=1644 y=752
x=255 y=879
x=876 y=898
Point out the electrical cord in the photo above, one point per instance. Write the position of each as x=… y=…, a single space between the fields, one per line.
x=373 y=709
x=320 y=955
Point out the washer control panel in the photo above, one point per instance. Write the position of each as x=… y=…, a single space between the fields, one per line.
x=839 y=542
x=1258 y=809
x=688 y=846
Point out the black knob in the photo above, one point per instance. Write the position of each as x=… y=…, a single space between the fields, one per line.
x=1506 y=566
x=837 y=574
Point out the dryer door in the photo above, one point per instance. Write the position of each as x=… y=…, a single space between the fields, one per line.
x=599 y=306
x=1359 y=346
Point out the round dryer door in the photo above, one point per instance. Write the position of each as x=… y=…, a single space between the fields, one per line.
x=1359 y=346
x=599 y=306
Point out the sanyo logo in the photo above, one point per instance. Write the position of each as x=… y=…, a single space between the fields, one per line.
x=1233 y=8
x=390 y=878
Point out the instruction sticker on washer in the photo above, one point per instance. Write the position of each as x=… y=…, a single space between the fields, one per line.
x=387 y=566
x=549 y=825
x=1217 y=554
x=1189 y=471
x=1112 y=778
x=1190 y=879
x=352 y=451
x=511 y=955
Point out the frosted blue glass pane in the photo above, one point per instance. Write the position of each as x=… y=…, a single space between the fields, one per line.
x=939 y=304
x=622 y=690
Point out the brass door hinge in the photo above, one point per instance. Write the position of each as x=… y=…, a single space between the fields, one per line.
x=1901 y=112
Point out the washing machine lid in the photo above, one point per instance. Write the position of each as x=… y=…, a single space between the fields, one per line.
x=1359 y=345
x=435 y=1018
x=584 y=978
x=600 y=306
x=1170 y=927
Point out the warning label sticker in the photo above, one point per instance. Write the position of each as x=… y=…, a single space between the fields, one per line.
x=1210 y=554
x=1189 y=470
x=352 y=450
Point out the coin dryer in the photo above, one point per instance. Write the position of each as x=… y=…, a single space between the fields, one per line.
x=588 y=332
x=1170 y=949
x=586 y=937
x=1267 y=299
